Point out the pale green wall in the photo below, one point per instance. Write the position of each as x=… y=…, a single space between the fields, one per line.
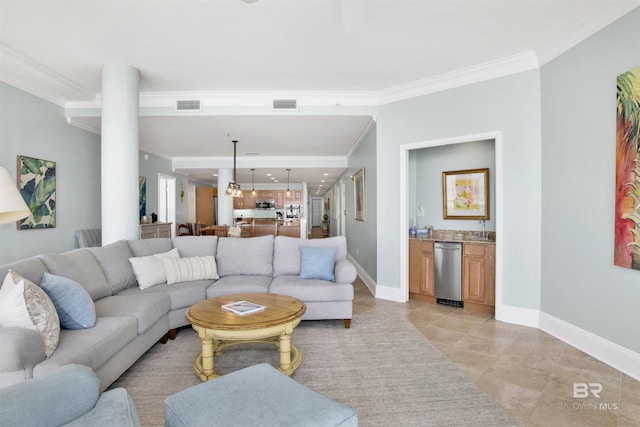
x=33 y=127
x=510 y=105
x=580 y=284
x=426 y=166
x=362 y=235
x=150 y=168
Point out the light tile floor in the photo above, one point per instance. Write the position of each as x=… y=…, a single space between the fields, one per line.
x=525 y=370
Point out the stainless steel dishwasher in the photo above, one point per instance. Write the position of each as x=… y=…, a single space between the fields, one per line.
x=448 y=273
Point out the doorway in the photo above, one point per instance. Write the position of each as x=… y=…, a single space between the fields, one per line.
x=316 y=212
x=167 y=200
x=496 y=136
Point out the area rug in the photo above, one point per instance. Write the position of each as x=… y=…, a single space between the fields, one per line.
x=382 y=366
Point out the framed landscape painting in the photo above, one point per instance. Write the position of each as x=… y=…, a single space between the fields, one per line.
x=465 y=194
x=360 y=202
x=627 y=201
x=37 y=185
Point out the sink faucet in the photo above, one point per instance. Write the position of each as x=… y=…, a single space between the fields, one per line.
x=482 y=221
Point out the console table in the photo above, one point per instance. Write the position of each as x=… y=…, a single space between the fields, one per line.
x=156 y=229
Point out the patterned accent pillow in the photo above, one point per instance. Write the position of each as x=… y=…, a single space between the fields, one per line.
x=188 y=269
x=24 y=304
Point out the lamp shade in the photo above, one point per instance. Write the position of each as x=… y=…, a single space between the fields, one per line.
x=12 y=205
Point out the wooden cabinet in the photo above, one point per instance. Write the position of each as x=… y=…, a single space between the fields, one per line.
x=265 y=194
x=478 y=276
x=204 y=205
x=249 y=200
x=295 y=197
x=238 y=203
x=279 y=199
x=421 y=275
x=157 y=229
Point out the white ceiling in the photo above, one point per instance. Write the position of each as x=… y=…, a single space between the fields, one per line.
x=330 y=51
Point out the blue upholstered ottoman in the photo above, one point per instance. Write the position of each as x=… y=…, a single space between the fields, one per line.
x=259 y=395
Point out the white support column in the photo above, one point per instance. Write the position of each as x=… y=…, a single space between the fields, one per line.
x=225 y=202
x=119 y=149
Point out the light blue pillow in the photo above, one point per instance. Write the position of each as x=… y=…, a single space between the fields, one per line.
x=74 y=305
x=317 y=263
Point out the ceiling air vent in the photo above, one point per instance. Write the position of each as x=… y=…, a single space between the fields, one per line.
x=285 y=104
x=193 y=105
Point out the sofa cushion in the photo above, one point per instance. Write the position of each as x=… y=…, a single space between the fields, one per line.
x=74 y=305
x=149 y=270
x=239 y=284
x=317 y=263
x=181 y=295
x=114 y=408
x=188 y=269
x=91 y=347
x=147 y=308
x=24 y=304
x=250 y=256
x=259 y=395
x=308 y=290
x=80 y=265
x=114 y=261
x=286 y=253
x=29 y=268
x=189 y=246
x=146 y=247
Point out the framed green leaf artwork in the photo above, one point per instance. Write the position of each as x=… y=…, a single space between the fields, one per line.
x=37 y=185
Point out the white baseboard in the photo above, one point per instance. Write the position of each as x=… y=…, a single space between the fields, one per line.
x=390 y=294
x=371 y=284
x=518 y=315
x=614 y=355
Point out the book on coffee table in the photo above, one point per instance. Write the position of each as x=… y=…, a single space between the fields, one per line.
x=243 y=307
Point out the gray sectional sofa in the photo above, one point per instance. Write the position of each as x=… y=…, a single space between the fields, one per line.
x=130 y=320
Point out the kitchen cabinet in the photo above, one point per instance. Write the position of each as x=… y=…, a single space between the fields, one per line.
x=238 y=203
x=421 y=277
x=295 y=197
x=265 y=194
x=478 y=276
x=157 y=229
x=249 y=200
x=279 y=199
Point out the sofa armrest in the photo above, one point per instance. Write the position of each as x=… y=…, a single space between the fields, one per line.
x=345 y=272
x=74 y=389
x=21 y=350
x=114 y=408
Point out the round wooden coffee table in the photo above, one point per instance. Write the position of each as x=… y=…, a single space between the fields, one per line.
x=219 y=328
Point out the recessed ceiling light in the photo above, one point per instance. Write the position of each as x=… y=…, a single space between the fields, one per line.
x=215 y=174
x=325 y=174
x=320 y=185
x=275 y=180
x=322 y=180
x=268 y=174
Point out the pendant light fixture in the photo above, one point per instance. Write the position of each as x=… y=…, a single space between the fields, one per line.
x=288 y=191
x=253 y=185
x=233 y=189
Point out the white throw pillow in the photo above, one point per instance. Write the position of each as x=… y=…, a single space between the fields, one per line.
x=24 y=304
x=149 y=270
x=188 y=269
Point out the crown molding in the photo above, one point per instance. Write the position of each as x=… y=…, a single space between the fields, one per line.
x=25 y=66
x=370 y=124
x=81 y=125
x=607 y=14
x=489 y=70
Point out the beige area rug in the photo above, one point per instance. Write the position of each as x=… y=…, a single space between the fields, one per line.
x=383 y=367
